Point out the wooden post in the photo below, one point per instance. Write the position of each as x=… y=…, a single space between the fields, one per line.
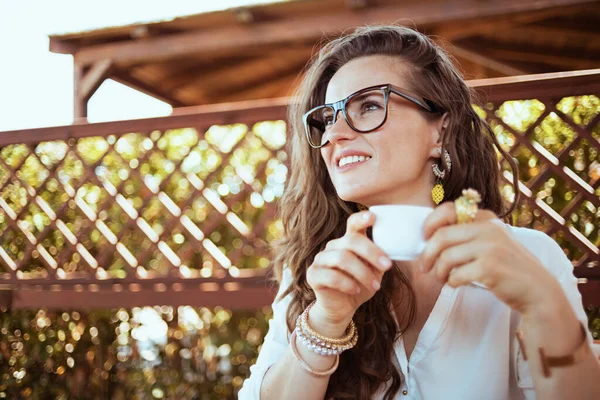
x=79 y=102
x=87 y=81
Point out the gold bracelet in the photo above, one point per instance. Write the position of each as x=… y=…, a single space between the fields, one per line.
x=305 y=366
x=549 y=362
x=305 y=327
x=320 y=340
x=324 y=349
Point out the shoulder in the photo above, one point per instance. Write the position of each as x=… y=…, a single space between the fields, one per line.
x=286 y=278
x=284 y=283
x=531 y=237
x=550 y=254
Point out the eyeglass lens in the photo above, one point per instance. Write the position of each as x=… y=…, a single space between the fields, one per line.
x=365 y=112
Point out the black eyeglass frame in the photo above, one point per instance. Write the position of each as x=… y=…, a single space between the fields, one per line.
x=340 y=105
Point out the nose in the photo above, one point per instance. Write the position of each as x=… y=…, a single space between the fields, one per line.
x=340 y=130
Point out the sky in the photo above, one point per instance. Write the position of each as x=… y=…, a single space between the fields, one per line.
x=36 y=86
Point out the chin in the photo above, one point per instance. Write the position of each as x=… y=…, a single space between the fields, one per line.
x=368 y=191
x=353 y=196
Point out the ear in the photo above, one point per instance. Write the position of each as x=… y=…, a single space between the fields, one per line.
x=439 y=128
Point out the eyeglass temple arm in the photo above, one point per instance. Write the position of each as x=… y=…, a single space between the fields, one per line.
x=426 y=103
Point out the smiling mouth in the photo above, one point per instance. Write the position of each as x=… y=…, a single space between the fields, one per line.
x=352 y=160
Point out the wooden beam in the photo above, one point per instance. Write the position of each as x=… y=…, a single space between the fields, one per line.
x=216 y=114
x=455 y=30
x=278 y=85
x=305 y=28
x=239 y=77
x=485 y=61
x=237 y=67
x=244 y=298
x=128 y=80
x=93 y=78
x=559 y=34
x=356 y=4
x=528 y=54
x=569 y=83
x=562 y=58
x=582 y=20
x=61 y=47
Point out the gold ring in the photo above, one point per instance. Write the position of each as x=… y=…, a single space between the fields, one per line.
x=466 y=206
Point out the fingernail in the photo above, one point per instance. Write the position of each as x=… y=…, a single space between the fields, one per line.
x=385 y=261
x=366 y=216
x=376 y=285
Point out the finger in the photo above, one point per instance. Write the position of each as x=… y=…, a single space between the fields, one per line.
x=446 y=237
x=456 y=256
x=330 y=278
x=365 y=249
x=360 y=221
x=470 y=273
x=443 y=215
x=348 y=262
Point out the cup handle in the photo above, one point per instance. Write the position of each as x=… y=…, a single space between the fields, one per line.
x=479 y=285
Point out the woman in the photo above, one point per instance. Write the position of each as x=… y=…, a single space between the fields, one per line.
x=384 y=117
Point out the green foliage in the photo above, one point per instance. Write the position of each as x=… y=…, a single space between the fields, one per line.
x=144 y=353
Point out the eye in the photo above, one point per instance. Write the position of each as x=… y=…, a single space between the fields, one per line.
x=369 y=106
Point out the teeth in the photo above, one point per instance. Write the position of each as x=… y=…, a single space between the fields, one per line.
x=352 y=159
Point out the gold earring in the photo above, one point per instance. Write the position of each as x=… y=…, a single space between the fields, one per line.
x=437 y=193
x=361 y=207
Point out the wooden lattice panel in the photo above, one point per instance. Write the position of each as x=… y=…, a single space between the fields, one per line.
x=164 y=210
x=556 y=142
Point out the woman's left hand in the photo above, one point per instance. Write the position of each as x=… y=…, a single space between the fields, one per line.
x=484 y=251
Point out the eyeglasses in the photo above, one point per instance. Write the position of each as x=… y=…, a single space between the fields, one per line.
x=364 y=111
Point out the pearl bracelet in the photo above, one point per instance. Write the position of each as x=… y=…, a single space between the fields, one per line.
x=320 y=344
x=305 y=327
x=307 y=367
x=317 y=347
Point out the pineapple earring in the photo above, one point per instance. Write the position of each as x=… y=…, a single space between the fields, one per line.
x=437 y=193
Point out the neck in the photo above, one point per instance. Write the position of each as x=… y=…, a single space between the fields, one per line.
x=416 y=194
x=423 y=284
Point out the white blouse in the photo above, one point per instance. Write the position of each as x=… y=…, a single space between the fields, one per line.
x=467 y=349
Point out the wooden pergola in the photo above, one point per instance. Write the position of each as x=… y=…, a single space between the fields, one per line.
x=258 y=52
x=199 y=61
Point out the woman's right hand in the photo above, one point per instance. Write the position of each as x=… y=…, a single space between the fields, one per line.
x=346 y=274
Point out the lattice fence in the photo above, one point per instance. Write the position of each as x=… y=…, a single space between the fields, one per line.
x=555 y=142
x=181 y=209
x=166 y=210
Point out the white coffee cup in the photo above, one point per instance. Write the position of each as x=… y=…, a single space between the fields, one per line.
x=398 y=230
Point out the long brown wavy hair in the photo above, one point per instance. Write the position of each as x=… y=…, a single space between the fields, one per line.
x=313 y=214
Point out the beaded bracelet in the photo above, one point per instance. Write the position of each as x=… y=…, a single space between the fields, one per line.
x=305 y=366
x=305 y=327
x=322 y=348
x=320 y=344
x=323 y=343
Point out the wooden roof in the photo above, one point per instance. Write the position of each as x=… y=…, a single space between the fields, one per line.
x=258 y=52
